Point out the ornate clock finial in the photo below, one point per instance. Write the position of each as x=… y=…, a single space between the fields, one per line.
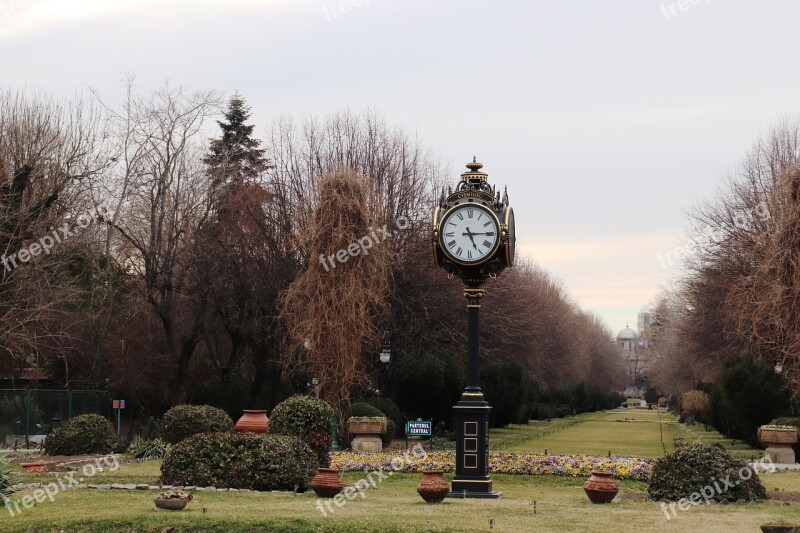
x=505 y=196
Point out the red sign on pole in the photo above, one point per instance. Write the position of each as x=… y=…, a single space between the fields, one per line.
x=116 y=404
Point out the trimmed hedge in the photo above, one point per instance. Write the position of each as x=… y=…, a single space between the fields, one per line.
x=183 y=421
x=240 y=461
x=83 y=434
x=308 y=419
x=701 y=468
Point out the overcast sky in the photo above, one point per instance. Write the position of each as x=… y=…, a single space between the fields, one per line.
x=607 y=120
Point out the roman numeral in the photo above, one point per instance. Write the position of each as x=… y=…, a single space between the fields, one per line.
x=458 y=252
x=480 y=216
x=489 y=222
x=487 y=244
x=490 y=234
x=451 y=244
x=460 y=216
x=451 y=234
x=469 y=213
x=452 y=224
x=469 y=254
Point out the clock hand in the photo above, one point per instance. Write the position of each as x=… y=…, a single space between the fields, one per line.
x=470 y=234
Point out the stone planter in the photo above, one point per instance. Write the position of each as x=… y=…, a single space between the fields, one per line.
x=326 y=484
x=433 y=488
x=365 y=428
x=173 y=504
x=253 y=422
x=600 y=487
x=366 y=435
x=779 y=443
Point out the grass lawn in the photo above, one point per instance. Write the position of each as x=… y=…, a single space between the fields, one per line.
x=600 y=433
x=560 y=503
x=394 y=506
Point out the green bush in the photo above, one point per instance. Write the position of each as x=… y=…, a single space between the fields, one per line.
x=8 y=479
x=83 y=434
x=308 y=419
x=364 y=409
x=240 y=461
x=747 y=394
x=563 y=410
x=696 y=468
x=388 y=435
x=183 y=421
x=141 y=448
x=387 y=407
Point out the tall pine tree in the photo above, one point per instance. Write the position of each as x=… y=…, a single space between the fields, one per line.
x=236 y=156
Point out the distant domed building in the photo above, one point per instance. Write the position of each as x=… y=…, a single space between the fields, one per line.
x=636 y=358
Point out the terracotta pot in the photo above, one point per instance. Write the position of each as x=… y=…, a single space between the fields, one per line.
x=433 y=488
x=38 y=466
x=600 y=487
x=253 y=421
x=326 y=484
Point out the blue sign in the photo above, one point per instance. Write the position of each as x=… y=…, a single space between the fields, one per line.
x=419 y=428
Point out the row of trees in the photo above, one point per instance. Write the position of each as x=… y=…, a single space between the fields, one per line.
x=184 y=269
x=740 y=297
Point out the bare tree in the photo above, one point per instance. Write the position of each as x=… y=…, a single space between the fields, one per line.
x=160 y=197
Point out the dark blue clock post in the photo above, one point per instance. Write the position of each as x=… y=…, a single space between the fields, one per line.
x=473 y=209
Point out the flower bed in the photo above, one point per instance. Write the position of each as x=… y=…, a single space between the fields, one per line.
x=499 y=463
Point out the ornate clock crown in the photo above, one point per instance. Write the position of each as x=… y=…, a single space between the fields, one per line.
x=474 y=176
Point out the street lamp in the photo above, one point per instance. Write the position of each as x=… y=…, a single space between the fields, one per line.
x=386 y=353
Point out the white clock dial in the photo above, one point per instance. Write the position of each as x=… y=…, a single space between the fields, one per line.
x=469 y=233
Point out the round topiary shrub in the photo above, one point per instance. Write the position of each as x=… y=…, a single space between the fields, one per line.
x=307 y=418
x=707 y=470
x=364 y=409
x=183 y=421
x=240 y=461
x=83 y=434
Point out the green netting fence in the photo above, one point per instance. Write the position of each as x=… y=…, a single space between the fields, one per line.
x=26 y=416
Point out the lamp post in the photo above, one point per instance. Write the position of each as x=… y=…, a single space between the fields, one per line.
x=474 y=240
x=385 y=357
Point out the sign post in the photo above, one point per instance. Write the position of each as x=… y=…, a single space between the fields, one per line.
x=419 y=428
x=119 y=405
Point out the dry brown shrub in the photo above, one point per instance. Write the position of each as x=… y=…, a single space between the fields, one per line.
x=337 y=309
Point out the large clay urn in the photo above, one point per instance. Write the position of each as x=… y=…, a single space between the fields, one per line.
x=433 y=488
x=326 y=484
x=600 y=487
x=253 y=422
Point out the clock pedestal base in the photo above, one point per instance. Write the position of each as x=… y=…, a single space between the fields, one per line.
x=472 y=449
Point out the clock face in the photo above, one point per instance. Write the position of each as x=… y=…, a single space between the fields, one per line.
x=469 y=234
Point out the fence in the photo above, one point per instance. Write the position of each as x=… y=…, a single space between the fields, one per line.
x=27 y=415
